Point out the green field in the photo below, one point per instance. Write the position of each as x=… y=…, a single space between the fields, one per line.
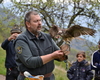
x=2 y=61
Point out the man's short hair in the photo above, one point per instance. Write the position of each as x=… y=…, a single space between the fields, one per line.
x=27 y=16
x=15 y=29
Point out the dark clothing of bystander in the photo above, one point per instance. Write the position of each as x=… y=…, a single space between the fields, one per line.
x=10 y=62
x=95 y=64
x=80 y=71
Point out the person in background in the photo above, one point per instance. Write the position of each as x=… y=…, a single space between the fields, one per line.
x=10 y=63
x=95 y=62
x=80 y=70
x=36 y=50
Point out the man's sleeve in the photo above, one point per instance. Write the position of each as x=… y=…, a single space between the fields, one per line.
x=25 y=56
x=4 y=44
x=93 y=66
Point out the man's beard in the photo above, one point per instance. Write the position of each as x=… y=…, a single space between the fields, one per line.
x=36 y=32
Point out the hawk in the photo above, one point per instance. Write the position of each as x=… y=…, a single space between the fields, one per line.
x=68 y=34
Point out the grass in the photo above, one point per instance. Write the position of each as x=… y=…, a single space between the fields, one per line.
x=60 y=71
x=2 y=62
x=60 y=74
x=61 y=64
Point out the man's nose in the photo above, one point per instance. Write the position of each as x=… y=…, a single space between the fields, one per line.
x=39 y=22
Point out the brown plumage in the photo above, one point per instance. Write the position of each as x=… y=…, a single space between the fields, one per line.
x=72 y=32
x=65 y=48
x=53 y=31
x=68 y=34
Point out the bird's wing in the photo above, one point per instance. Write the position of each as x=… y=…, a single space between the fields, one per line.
x=77 y=30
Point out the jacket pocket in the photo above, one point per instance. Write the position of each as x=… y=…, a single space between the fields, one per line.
x=48 y=50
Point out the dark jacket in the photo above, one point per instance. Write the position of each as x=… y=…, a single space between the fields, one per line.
x=80 y=71
x=29 y=48
x=10 y=53
x=95 y=62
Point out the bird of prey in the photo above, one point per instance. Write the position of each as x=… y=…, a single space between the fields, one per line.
x=68 y=34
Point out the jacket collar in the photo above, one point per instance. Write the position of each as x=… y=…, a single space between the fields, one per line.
x=32 y=36
x=81 y=63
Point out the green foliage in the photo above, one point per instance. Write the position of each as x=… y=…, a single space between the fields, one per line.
x=2 y=61
x=26 y=79
x=61 y=64
x=7 y=21
x=59 y=74
x=72 y=55
x=4 y=33
x=51 y=10
x=60 y=70
x=1 y=39
x=62 y=13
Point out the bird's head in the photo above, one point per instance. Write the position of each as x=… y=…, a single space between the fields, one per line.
x=55 y=31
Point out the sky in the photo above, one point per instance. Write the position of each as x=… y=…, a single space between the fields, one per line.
x=6 y=1
x=92 y=39
x=28 y=0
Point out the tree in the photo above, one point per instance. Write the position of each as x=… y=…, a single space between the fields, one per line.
x=7 y=21
x=50 y=10
x=1 y=1
x=61 y=12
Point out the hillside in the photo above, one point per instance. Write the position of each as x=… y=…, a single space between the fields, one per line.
x=81 y=44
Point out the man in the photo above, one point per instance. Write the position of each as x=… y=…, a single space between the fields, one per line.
x=36 y=50
x=95 y=62
x=10 y=63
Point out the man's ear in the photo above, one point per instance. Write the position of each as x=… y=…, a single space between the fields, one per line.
x=28 y=24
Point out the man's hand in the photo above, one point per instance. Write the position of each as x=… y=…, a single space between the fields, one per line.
x=56 y=55
x=59 y=55
x=13 y=36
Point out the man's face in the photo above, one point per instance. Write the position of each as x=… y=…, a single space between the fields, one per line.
x=35 y=23
x=80 y=58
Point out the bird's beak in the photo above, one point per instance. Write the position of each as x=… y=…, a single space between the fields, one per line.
x=59 y=33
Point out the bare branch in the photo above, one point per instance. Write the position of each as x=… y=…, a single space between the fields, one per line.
x=74 y=16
